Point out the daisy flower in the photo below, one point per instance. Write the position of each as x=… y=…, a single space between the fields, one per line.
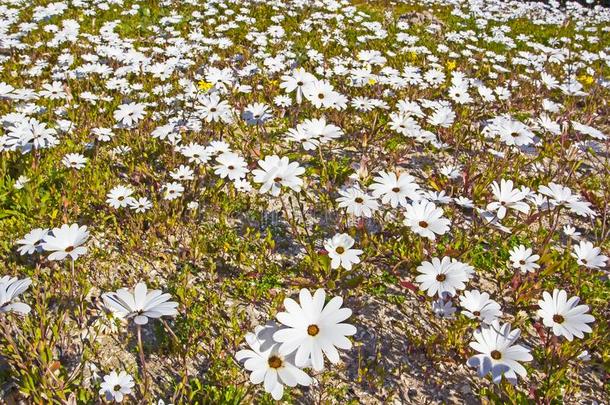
x=196 y=153
x=442 y=116
x=21 y=182
x=498 y=353
x=307 y=139
x=74 y=161
x=571 y=231
x=182 y=173
x=276 y=172
x=267 y=365
x=523 y=259
x=129 y=114
x=116 y=386
x=507 y=197
x=172 y=190
x=477 y=305
x=314 y=329
x=10 y=288
x=282 y=101
x=320 y=130
x=140 y=205
x=589 y=256
x=213 y=109
x=425 y=219
x=31 y=242
x=564 y=315
x=242 y=185
x=340 y=251
x=357 y=202
x=514 y=133
x=141 y=305
x=119 y=196
x=443 y=308
x=257 y=113
x=557 y=194
x=395 y=190
x=66 y=241
x=320 y=93
x=230 y=165
x=296 y=82
x=442 y=276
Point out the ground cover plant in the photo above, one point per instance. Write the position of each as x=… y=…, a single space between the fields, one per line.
x=228 y=201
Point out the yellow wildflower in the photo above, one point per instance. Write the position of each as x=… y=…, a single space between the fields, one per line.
x=205 y=86
x=586 y=79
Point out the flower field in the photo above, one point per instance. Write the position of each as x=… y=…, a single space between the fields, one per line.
x=304 y=201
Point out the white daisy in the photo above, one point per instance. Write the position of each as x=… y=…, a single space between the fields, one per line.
x=32 y=241
x=523 y=259
x=442 y=276
x=140 y=305
x=66 y=241
x=425 y=219
x=116 y=386
x=268 y=365
x=314 y=329
x=498 y=353
x=340 y=251
x=10 y=288
x=564 y=315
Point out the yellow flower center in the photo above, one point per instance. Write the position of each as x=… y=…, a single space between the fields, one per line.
x=313 y=330
x=275 y=362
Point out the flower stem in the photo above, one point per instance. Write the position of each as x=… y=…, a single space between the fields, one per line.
x=72 y=292
x=142 y=360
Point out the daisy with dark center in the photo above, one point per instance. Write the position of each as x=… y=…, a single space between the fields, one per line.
x=267 y=365
x=116 y=387
x=523 y=259
x=564 y=315
x=276 y=172
x=231 y=165
x=442 y=276
x=425 y=219
x=196 y=153
x=32 y=241
x=477 y=305
x=340 y=251
x=507 y=198
x=320 y=93
x=319 y=130
x=314 y=329
x=357 y=202
x=66 y=241
x=588 y=255
x=499 y=355
x=213 y=109
x=395 y=190
x=74 y=161
x=141 y=204
x=119 y=196
x=257 y=113
x=129 y=114
x=141 y=305
x=172 y=190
